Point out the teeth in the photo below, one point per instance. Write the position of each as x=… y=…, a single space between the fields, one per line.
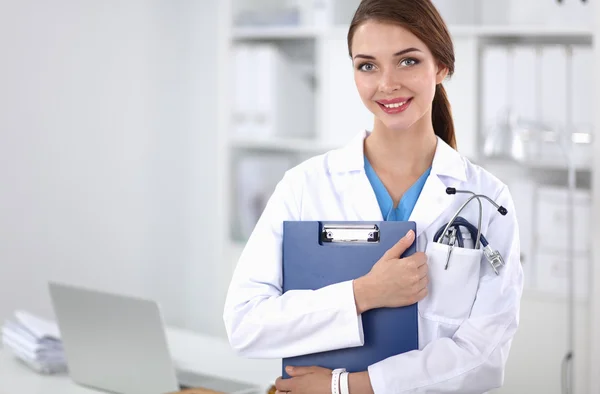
x=396 y=105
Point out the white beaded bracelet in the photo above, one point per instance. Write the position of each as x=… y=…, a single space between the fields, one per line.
x=344 y=386
x=335 y=380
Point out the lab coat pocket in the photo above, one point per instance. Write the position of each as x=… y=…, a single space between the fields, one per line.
x=452 y=291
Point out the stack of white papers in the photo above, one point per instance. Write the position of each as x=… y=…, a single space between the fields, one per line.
x=36 y=342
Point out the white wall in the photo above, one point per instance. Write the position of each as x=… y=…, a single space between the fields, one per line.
x=108 y=136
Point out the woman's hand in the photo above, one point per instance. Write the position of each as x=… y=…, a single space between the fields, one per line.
x=305 y=380
x=393 y=282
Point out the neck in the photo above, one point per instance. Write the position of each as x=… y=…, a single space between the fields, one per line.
x=402 y=152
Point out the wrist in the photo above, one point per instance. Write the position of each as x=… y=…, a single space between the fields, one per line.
x=336 y=380
x=360 y=383
x=363 y=296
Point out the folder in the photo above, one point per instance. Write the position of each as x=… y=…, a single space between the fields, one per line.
x=318 y=254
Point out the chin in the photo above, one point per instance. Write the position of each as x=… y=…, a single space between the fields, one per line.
x=397 y=125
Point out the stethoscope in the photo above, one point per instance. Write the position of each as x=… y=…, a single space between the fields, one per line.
x=450 y=233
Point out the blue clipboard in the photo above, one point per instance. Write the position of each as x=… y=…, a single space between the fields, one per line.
x=318 y=253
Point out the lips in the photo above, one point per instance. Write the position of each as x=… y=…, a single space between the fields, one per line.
x=395 y=106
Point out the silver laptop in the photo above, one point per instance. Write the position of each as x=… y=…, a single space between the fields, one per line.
x=118 y=344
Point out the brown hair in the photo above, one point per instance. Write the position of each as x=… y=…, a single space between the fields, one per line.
x=423 y=20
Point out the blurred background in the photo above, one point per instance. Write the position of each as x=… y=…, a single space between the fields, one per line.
x=140 y=140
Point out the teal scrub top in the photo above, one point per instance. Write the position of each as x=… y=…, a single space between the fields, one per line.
x=407 y=202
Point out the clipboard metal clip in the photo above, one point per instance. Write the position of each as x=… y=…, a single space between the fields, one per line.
x=350 y=233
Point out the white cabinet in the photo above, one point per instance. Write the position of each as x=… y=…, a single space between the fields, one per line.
x=552 y=220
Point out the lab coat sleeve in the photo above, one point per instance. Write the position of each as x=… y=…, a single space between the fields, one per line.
x=473 y=360
x=260 y=321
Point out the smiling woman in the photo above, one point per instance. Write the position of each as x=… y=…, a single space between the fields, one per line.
x=393 y=51
x=401 y=53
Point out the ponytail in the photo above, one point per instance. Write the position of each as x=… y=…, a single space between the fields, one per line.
x=441 y=116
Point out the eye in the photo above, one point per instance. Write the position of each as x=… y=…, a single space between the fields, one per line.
x=409 y=62
x=366 y=67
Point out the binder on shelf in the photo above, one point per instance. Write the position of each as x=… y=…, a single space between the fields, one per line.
x=243 y=86
x=318 y=254
x=256 y=177
x=273 y=98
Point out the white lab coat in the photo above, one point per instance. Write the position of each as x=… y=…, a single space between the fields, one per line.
x=466 y=323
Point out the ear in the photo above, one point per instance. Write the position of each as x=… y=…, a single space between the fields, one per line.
x=441 y=75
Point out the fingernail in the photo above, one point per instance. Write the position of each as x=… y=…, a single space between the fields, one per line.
x=289 y=369
x=410 y=235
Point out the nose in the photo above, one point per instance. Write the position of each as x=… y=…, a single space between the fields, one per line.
x=389 y=82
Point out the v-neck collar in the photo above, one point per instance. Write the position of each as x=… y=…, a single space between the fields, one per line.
x=407 y=202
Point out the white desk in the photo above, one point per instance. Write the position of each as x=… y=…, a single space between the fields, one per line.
x=190 y=351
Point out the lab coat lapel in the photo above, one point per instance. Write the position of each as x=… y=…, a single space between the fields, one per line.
x=362 y=198
x=347 y=167
x=447 y=169
x=432 y=202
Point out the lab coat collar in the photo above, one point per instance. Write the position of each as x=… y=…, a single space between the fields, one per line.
x=446 y=160
x=433 y=200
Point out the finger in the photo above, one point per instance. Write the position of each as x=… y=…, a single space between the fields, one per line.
x=423 y=283
x=419 y=258
x=422 y=271
x=283 y=384
x=299 y=371
x=400 y=247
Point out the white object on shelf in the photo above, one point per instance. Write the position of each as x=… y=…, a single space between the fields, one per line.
x=582 y=73
x=523 y=65
x=462 y=94
x=495 y=90
x=243 y=86
x=551 y=13
x=536 y=12
x=344 y=11
x=460 y=12
x=271 y=98
x=257 y=177
x=343 y=112
x=493 y=12
x=551 y=220
x=554 y=86
x=322 y=12
x=576 y=13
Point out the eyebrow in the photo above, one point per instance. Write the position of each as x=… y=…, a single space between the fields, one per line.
x=402 y=52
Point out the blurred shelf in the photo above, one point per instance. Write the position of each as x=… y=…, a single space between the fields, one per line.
x=275 y=33
x=282 y=145
x=526 y=33
x=520 y=31
x=500 y=32
x=557 y=166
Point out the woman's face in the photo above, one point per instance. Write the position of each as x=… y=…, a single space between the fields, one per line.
x=395 y=73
